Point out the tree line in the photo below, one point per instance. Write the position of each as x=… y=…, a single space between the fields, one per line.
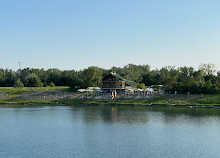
x=205 y=80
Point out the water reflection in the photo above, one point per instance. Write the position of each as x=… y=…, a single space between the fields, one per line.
x=126 y=114
x=110 y=115
x=142 y=115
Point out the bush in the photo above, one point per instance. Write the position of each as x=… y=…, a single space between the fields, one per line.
x=141 y=86
x=45 y=84
x=33 y=80
x=18 y=83
x=51 y=84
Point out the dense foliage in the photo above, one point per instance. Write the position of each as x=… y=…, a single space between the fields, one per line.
x=205 y=80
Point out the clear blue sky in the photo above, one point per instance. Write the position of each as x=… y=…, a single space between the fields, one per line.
x=75 y=34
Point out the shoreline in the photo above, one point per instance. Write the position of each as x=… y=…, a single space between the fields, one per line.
x=106 y=104
x=62 y=96
x=17 y=103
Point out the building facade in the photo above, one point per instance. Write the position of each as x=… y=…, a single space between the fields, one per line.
x=114 y=81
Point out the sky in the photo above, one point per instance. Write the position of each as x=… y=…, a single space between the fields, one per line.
x=76 y=34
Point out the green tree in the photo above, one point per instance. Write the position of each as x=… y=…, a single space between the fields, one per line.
x=92 y=76
x=41 y=73
x=164 y=75
x=10 y=77
x=23 y=74
x=170 y=84
x=198 y=75
x=54 y=75
x=134 y=72
x=2 y=78
x=147 y=79
x=185 y=73
x=32 y=80
x=207 y=68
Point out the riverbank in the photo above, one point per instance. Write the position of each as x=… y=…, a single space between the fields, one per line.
x=64 y=96
x=159 y=100
x=34 y=95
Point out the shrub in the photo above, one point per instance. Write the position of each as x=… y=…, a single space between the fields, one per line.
x=18 y=83
x=51 y=84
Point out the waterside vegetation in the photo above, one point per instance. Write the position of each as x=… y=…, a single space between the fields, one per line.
x=64 y=96
x=160 y=100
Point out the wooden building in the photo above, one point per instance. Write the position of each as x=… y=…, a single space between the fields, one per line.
x=114 y=81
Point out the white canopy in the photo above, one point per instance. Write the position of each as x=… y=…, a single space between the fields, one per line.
x=131 y=90
x=81 y=90
x=149 y=90
x=140 y=90
x=89 y=90
x=96 y=88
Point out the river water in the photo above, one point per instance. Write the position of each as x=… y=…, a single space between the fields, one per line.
x=108 y=132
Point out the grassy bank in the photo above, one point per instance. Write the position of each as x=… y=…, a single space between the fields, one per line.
x=168 y=100
x=63 y=95
x=46 y=95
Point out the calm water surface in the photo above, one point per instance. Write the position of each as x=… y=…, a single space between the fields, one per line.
x=97 y=132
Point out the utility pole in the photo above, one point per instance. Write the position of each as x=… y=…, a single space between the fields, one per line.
x=19 y=63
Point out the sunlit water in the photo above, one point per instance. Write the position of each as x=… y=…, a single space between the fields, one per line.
x=104 y=132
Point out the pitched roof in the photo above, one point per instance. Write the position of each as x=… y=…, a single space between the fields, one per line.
x=122 y=78
x=117 y=75
x=131 y=83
